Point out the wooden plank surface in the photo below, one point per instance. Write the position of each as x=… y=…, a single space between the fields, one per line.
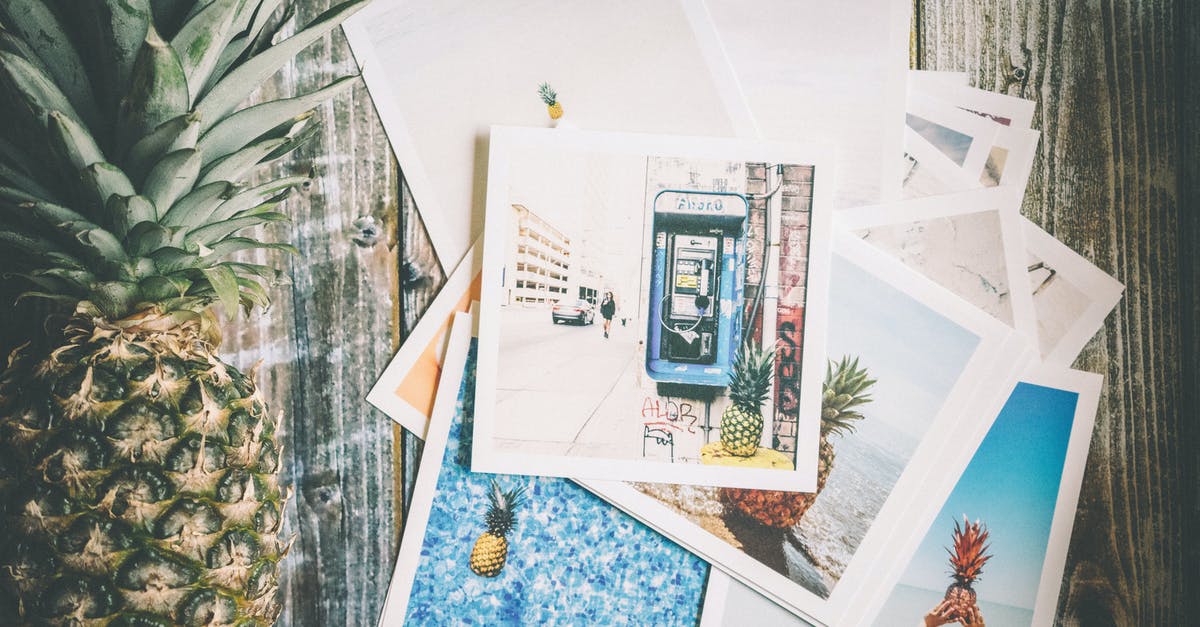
x=326 y=339
x=1103 y=74
x=1187 y=29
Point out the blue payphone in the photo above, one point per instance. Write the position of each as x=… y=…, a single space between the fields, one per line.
x=696 y=282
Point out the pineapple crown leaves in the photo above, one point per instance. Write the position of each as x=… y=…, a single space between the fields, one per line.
x=846 y=386
x=501 y=514
x=127 y=148
x=968 y=552
x=750 y=381
x=547 y=94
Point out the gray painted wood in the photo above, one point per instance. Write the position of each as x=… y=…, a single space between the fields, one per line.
x=1106 y=183
x=327 y=338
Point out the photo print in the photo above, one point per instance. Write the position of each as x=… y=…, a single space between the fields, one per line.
x=1018 y=496
x=408 y=386
x=439 y=128
x=996 y=550
x=635 y=323
x=1071 y=296
x=968 y=242
x=488 y=549
x=896 y=401
x=823 y=72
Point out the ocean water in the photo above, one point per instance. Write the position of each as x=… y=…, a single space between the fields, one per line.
x=572 y=558
x=831 y=530
x=908 y=605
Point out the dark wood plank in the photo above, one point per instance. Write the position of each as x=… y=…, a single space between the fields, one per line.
x=1187 y=60
x=323 y=343
x=421 y=277
x=1103 y=74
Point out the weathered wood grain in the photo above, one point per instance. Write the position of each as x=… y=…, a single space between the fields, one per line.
x=323 y=343
x=1105 y=182
x=1187 y=30
x=421 y=277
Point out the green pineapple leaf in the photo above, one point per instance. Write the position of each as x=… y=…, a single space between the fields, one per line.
x=42 y=32
x=158 y=92
x=201 y=40
x=239 y=129
x=225 y=96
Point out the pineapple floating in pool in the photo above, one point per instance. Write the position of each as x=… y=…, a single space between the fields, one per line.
x=742 y=422
x=491 y=548
x=550 y=97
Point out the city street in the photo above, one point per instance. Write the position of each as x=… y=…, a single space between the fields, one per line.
x=566 y=390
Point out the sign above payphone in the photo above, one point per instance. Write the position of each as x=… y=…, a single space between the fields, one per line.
x=719 y=204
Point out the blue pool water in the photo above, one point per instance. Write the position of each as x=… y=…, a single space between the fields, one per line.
x=572 y=558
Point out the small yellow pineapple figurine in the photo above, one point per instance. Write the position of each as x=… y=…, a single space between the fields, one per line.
x=491 y=548
x=550 y=97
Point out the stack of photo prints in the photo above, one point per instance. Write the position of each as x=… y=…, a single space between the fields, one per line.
x=755 y=333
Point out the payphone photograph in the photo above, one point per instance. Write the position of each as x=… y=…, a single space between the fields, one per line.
x=653 y=308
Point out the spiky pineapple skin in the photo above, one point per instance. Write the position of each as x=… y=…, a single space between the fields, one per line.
x=775 y=508
x=555 y=110
x=489 y=555
x=962 y=598
x=139 y=482
x=741 y=431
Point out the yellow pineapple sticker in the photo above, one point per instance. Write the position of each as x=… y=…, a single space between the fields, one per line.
x=550 y=97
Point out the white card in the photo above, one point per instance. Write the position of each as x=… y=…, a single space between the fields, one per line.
x=940 y=380
x=662 y=224
x=441 y=72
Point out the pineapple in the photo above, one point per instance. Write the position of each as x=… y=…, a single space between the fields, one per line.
x=845 y=389
x=550 y=97
x=491 y=548
x=749 y=385
x=967 y=557
x=139 y=473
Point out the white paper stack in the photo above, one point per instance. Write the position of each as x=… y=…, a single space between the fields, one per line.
x=726 y=173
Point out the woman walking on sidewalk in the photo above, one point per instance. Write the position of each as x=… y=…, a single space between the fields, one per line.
x=608 y=308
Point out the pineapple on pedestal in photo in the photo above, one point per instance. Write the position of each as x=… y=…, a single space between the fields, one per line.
x=139 y=473
x=742 y=421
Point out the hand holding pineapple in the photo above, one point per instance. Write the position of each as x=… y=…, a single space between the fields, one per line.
x=968 y=554
x=138 y=471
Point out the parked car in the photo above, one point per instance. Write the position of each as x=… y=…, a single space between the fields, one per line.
x=579 y=312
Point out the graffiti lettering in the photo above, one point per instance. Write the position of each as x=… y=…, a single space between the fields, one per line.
x=657 y=409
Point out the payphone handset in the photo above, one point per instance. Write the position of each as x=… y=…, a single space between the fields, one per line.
x=696 y=286
x=695 y=276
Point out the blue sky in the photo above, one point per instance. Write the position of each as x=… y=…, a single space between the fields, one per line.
x=1011 y=484
x=915 y=353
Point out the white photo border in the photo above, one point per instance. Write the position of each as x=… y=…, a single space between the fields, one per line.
x=982 y=131
x=1002 y=200
x=1103 y=291
x=395 y=608
x=980 y=391
x=450 y=246
x=487 y=458
x=438 y=316
x=939 y=487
